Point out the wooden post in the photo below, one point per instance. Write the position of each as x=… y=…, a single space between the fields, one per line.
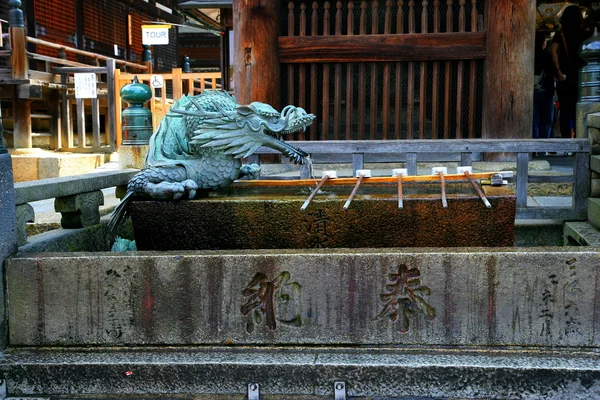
x=18 y=59
x=147 y=58
x=256 y=63
x=508 y=82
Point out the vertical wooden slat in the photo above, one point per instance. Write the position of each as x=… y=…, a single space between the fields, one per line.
x=314 y=99
x=385 y=112
x=113 y=79
x=411 y=76
x=302 y=68
x=398 y=88
x=337 y=97
x=177 y=83
x=448 y=74
x=80 y=123
x=358 y=162
x=291 y=85
x=459 y=75
x=436 y=75
x=472 y=93
x=411 y=163
x=326 y=27
x=422 y=80
x=581 y=184
x=65 y=110
x=522 y=178
x=374 y=94
x=95 y=124
x=361 y=75
x=349 y=76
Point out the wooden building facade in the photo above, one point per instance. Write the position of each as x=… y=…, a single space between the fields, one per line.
x=107 y=27
x=373 y=70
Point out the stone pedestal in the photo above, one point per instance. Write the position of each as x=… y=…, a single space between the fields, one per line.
x=270 y=219
x=8 y=227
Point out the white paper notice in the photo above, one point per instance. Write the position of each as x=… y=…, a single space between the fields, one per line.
x=85 y=85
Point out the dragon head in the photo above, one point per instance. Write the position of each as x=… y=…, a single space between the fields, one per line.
x=246 y=128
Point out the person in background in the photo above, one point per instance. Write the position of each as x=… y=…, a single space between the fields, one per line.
x=566 y=60
x=543 y=96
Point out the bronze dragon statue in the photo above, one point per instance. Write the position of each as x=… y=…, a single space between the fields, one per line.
x=201 y=141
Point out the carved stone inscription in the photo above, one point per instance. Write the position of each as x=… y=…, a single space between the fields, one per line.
x=118 y=316
x=403 y=297
x=271 y=301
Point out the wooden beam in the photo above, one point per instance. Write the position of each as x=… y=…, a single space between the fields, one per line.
x=507 y=94
x=29 y=91
x=256 y=62
x=382 y=48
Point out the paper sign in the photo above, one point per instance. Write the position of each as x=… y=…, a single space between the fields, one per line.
x=157 y=81
x=85 y=85
x=155 y=34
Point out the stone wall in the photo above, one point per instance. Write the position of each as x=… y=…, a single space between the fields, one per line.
x=505 y=297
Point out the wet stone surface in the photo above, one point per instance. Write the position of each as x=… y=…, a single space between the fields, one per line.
x=272 y=221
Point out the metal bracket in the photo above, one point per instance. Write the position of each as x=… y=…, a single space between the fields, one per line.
x=339 y=389
x=253 y=392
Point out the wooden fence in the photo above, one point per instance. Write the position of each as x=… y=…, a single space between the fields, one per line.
x=385 y=69
x=410 y=152
x=175 y=85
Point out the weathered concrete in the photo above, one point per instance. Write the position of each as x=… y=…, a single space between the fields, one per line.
x=581 y=233
x=93 y=238
x=80 y=210
x=369 y=372
x=26 y=192
x=505 y=297
x=273 y=219
x=46 y=165
x=132 y=156
x=24 y=214
x=8 y=227
x=594 y=211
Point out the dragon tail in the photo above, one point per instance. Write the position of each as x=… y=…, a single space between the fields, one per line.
x=120 y=214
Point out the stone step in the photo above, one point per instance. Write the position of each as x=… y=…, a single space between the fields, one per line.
x=367 y=372
x=581 y=234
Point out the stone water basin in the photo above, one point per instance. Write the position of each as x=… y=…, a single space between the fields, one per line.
x=244 y=217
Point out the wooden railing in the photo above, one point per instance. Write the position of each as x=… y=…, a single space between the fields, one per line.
x=175 y=85
x=64 y=50
x=410 y=152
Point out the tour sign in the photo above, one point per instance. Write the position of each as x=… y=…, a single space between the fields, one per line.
x=155 y=34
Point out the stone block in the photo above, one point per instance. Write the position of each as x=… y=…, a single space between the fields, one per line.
x=80 y=210
x=594 y=211
x=588 y=113
x=259 y=219
x=581 y=234
x=595 y=187
x=25 y=214
x=534 y=298
x=132 y=156
x=25 y=168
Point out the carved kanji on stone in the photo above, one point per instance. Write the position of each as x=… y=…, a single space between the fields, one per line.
x=404 y=297
x=265 y=297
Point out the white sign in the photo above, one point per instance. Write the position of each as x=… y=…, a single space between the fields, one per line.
x=155 y=34
x=85 y=85
x=157 y=81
